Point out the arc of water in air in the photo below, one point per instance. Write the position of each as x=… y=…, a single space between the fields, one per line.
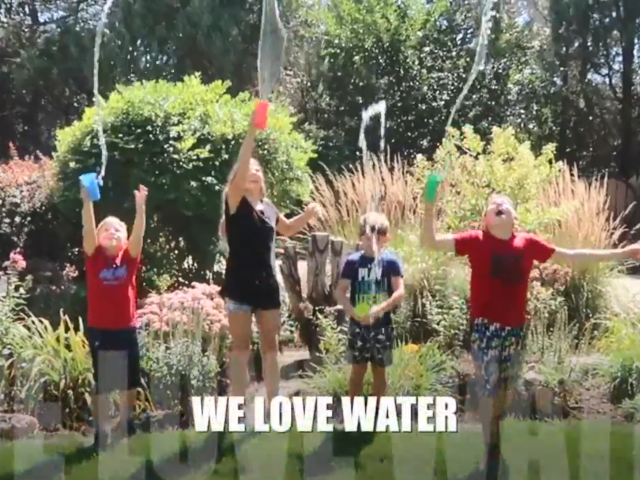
x=99 y=121
x=478 y=62
x=271 y=49
x=379 y=108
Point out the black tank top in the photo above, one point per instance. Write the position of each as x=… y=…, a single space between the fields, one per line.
x=250 y=276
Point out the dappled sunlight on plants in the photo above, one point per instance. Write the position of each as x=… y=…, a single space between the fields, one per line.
x=475 y=170
x=198 y=308
x=51 y=365
x=347 y=195
x=417 y=369
x=621 y=345
x=586 y=220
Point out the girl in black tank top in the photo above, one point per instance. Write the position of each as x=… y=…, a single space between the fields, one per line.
x=250 y=276
x=251 y=285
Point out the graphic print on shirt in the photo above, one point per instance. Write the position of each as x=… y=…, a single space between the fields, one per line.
x=115 y=275
x=508 y=268
x=370 y=288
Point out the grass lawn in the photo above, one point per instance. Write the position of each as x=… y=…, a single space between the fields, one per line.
x=560 y=451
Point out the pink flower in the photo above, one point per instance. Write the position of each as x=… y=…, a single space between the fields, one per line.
x=16 y=262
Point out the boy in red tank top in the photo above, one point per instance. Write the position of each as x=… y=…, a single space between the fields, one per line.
x=501 y=261
x=112 y=263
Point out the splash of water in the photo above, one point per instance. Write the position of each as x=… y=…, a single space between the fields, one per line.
x=480 y=57
x=379 y=108
x=368 y=113
x=271 y=49
x=96 y=86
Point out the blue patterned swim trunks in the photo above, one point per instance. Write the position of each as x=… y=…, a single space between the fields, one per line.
x=497 y=353
x=370 y=344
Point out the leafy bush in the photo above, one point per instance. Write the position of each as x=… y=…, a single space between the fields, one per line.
x=381 y=185
x=167 y=361
x=199 y=309
x=25 y=188
x=51 y=365
x=30 y=222
x=416 y=369
x=621 y=344
x=180 y=140
x=631 y=409
x=476 y=169
x=13 y=295
x=183 y=336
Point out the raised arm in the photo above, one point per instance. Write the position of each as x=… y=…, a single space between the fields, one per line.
x=237 y=183
x=584 y=257
x=430 y=238
x=89 y=234
x=139 y=224
x=289 y=228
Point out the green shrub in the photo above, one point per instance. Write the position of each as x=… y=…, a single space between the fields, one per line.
x=416 y=369
x=25 y=196
x=475 y=169
x=631 y=409
x=180 y=140
x=51 y=365
x=183 y=336
x=167 y=361
x=621 y=344
x=553 y=344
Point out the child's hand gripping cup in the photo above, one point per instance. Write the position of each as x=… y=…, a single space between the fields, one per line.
x=261 y=115
x=362 y=309
x=91 y=183
x=431 y=185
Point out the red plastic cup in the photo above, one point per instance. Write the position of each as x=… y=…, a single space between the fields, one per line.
x=261 y=115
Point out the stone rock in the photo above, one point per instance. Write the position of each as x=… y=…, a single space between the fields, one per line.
x=544 y=400
x=532 y=379
x=15 y=426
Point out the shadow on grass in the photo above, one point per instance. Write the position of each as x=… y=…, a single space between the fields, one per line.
x=53 y=467
x=216 y=458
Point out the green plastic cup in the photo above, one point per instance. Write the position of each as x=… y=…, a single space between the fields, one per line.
x=431 y=185
x=362 y=309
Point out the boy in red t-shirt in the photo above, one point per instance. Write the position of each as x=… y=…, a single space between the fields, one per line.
x=501 y=261
x=112 y=263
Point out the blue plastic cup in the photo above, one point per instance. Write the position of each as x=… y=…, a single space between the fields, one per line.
x=92 y=183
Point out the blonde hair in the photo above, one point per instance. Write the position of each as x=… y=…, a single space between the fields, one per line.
x=232 y=176
x=114 y=220
x=374 y=222
x=499 y=196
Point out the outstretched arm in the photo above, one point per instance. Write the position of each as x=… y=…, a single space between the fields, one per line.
x=139 y=224
x=583 y=257
x=289 y=228
x=89 y=234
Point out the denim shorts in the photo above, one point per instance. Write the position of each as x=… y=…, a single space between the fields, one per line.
x=236 y=307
